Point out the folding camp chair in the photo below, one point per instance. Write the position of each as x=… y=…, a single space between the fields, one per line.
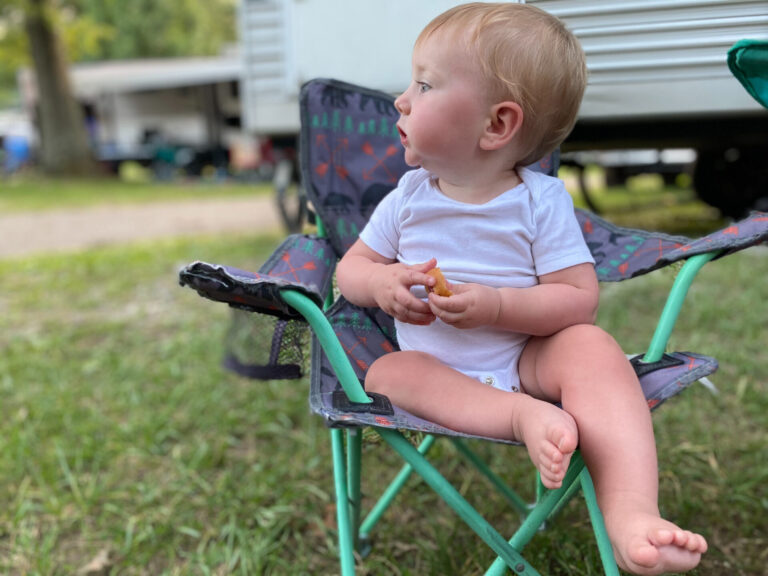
x=351 y=157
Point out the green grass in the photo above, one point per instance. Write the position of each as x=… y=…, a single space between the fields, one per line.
x=30 y=192
x=120 y=434
x=645 y=202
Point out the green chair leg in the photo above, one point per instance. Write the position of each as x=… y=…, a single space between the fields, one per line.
x=512 y=497
x=547 y=503
x=392 y=491
x=451 y=496
x=598 y=526
x=346 y=539
x=354 y=455
x=347 y=481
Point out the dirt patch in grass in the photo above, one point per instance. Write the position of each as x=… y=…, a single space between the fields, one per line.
x=27 y=233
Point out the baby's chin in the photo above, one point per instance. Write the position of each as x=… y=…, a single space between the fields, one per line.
x=412 y=159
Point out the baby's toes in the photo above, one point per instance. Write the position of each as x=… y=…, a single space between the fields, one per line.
x=552 y=475
x=663 y=537
x=682 y=538
x=562 y=438
x=550 y=480
x=696 y=543
x=550 y=459
x=703 y=546
x=554 y=455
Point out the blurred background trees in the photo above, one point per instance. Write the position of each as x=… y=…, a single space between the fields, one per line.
x=46 y=35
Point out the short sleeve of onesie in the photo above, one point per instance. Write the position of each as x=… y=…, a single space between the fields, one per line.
x=382 y=232
x=558 y=242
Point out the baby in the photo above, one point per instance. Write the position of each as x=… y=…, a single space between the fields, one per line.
x=494 y=88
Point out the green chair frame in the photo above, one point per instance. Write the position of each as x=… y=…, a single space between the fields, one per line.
x=354 y=529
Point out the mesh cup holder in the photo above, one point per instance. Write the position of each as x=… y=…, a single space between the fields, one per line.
x=262 y=347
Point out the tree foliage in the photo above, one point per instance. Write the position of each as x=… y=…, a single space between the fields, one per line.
x=118 y=29
x=13 y=44
x=159 y=28
x=47 y=35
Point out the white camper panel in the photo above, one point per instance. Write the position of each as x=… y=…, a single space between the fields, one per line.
x=661 y=57
x=287 y=42
x=646 y=58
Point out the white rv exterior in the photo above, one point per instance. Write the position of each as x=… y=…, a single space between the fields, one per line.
x=645 y=57
x=659 y=57
x=658 y=72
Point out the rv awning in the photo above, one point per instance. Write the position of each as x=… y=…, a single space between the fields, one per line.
x=95 y=78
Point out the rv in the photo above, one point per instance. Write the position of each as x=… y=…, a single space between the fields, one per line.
x=658 y=77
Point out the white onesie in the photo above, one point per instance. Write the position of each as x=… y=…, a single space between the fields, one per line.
x=525 y=232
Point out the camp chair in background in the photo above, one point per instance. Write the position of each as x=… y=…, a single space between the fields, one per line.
x=748 y=62
x=351 y=157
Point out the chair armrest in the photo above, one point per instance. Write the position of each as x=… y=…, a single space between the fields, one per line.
x=674 y=303
x=622 y=253
x=302 y=262
x=327 y=338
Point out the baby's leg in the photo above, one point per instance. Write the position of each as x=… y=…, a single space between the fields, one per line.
x=429 y=389
x=585 y=369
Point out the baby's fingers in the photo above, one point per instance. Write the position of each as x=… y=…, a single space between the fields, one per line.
x=447 y=304
x=416 y=274
x=424 y=266
x=445 y=308
x=412 y=310
x=414 y=316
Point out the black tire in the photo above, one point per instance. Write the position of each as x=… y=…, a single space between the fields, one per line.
x=615 y=176
x=735 y=180
x=290 y=197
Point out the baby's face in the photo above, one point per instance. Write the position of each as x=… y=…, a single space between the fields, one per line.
x=445 y=108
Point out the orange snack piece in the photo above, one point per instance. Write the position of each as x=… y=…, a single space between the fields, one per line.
x=441 y=286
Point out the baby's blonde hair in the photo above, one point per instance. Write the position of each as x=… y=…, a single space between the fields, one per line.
x=527 y=56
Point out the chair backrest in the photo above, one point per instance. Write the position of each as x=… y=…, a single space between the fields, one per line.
x=351 y=155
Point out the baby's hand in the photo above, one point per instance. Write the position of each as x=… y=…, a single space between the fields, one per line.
x=471 y=306
x=391 y=288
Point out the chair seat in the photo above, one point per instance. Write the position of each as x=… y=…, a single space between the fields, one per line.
x=660 y=381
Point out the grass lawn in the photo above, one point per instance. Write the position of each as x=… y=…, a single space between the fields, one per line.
x=122 y=439
x=31 y=192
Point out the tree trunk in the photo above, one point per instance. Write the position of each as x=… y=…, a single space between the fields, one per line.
x=64 y=146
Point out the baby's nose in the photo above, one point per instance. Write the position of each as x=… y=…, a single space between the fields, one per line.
x=401 y=104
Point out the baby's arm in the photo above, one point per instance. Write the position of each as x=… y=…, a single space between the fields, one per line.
x=561 y=299
x=367 y=278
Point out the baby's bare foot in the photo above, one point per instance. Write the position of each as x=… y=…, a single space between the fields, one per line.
x=646 y=544
x=551 y=436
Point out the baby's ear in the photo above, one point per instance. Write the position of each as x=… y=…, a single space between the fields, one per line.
x=503 y=124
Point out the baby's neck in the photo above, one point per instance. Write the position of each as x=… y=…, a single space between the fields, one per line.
x=480 y=190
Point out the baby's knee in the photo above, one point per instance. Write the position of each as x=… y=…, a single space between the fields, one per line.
x=593 y=349
x=394 y=370
x=590 y=337
x=374 y=378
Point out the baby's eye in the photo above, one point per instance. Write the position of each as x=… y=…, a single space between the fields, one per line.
x=423 y=87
